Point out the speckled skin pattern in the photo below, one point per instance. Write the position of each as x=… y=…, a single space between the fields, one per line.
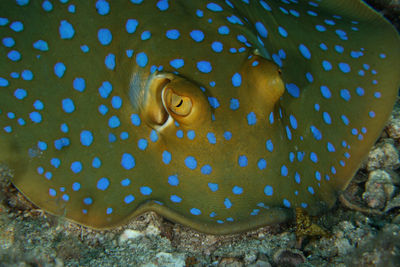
x=221 y=115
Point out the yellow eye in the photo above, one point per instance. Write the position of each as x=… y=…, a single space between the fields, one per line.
x=180 y=105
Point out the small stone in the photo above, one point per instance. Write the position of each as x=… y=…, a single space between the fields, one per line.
x=288 y=257
x=167 y=259
x=343 y=245
x=250 y=258
x=230 y=262
x=129 y=234
x=379 y=189
x=393 y=203
x=260 y=263
x=152 y=230
x=393 y=125
x=383 y=155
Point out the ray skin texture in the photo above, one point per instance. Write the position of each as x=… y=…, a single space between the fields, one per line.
x=220 y=115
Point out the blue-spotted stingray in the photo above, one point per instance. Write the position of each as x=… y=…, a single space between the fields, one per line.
x=220 y=115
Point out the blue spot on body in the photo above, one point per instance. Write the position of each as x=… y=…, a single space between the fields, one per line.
x=227 y=203
x=17 y=26
x=345 y=120
x=8 y=42
x=173 y=34
x=96 y=163
x=166 y=157
x=103 y=183
x=173 y=180
x=22 y=2
x=227 y=135
x=326 y=93
x=104 y=36
x=286 y=203
x=206 y=169
x=86 y=138
x=314 y=157
x=141 y=59
x=195 y=211
x=217 y=46
x=297 y=177
x=27 y=75
x=59 y=69
x=284 y=170
x=191 y=134
x=316 y=132
x=251 y=118
x=14 y=55
x=135 y=119
x=213 y=187
x=114 y=122
x=234 y=104
x=268 y=190
x=177 y=63
x=131 y=25
x=305 y=51
x=145 y=35
x=52 y=192
x=327 y=118
x=326 y=65
x=345 y=94
x=105 y=89
x=5 y=83
x=129 y=198
x=179 y=134
x=79 y=84
x=76 y=186
x=236 y=79
x=320 y=28
x=269 y=145
x=127 y=161
x=103 y=7
x=55 y=162
x=191 y=162
x=66 y=30
x=339 y=49
x=211 y=138
x=162 y=5
x=282 y=32
x=142 y=144
x=293 y=90
x=176 y=199
x=293 y=121
x=214 y=7
x=213 y=102
x=330 y=147
x=76 y=167
x=41 y=45
x=262 y=164
x=242 y=161
x=223 y=30
x=237 y=190
x=126 y=182
x=145 y=190
x=204 y=66
x=261 y=29
x=88 y=201
x=35 y=117
x=68 y=105
x=61 y=143
x=344 y=67
x=197 y=35
x=110 y=61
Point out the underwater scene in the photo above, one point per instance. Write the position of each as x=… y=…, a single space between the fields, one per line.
x=199 y=133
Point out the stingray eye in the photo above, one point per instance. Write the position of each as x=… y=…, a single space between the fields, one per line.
x=178 y=104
